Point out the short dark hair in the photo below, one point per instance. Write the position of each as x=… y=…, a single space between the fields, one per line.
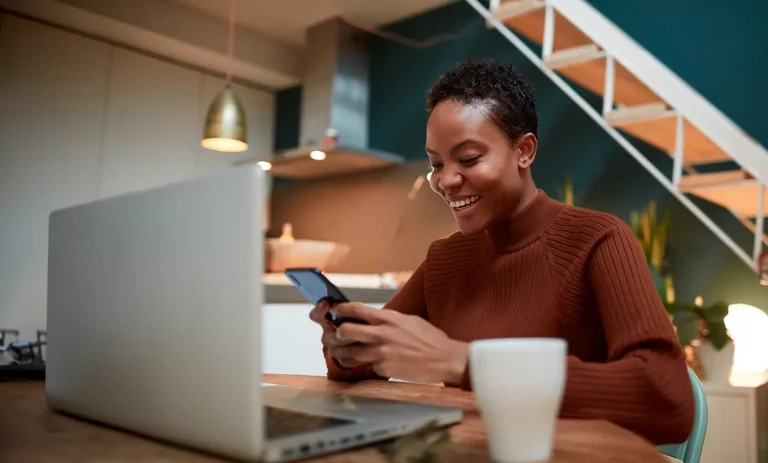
x=507 y=95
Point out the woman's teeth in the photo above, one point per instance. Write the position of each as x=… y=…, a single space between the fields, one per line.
x=463 y=203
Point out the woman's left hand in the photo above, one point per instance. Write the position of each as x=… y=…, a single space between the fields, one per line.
x=399 y=346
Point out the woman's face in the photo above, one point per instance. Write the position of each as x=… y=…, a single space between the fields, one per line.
x=475 y=169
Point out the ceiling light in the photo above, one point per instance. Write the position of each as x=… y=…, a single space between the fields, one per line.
x=225 y=123
x=266 y=165
x=225 y=128
x=317 y=155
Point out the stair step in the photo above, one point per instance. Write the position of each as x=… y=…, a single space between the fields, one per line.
x=655 y=124
x=531 y=25
x=641 y=113
x=574 y=55
x=696 y=182
x=697 y=148
x=736 y=191
x=510 y=9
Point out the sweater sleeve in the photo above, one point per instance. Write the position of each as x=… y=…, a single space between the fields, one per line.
x=409 y=300
x=644 y=385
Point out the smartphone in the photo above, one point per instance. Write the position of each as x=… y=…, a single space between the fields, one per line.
x=317 y=287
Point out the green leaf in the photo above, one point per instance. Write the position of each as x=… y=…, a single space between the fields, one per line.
x=634 y=220
x=687 y=327
x=717 y=334
x=663 y=228
x=676 y=307
x=715 y=312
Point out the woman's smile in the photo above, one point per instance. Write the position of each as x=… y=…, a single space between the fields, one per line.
x=463 y=206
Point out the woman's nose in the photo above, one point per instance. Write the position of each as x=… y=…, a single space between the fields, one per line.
x=449 y=180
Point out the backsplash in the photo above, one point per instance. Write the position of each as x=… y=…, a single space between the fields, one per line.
x=363 y=211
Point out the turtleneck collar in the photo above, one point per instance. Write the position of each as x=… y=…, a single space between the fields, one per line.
x=526 y=226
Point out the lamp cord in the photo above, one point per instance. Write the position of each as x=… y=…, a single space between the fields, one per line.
x=231 y=42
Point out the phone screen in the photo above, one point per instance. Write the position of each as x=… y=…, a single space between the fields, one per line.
x=314 y=286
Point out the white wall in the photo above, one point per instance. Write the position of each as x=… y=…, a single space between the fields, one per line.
x=81 y=120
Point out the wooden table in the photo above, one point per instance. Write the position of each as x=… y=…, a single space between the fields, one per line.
x=29 y=432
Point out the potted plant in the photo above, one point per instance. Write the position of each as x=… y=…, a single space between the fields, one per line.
x=568 y=195
x=702 y=327
x=652 y=234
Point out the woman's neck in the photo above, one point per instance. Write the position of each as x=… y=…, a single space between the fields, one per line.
x=526 y=224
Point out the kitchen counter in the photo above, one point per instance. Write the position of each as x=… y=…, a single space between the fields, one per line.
x=287 y=294
x=361 y=288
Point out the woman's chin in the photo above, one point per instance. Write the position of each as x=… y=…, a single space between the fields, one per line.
x=472 y=219
x=470 y=226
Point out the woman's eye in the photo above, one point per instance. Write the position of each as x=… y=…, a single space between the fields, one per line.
x=435 y=167
x=470 y=161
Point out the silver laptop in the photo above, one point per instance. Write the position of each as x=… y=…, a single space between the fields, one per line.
x=154 y=323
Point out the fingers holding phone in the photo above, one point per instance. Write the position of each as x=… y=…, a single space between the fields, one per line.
x=320 y=291
x=330 y=337
x=318 y=315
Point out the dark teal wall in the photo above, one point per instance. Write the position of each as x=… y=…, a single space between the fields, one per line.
x=287 y=116
x=701 y=39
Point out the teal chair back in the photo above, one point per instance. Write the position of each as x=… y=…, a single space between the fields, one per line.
x=690 y=450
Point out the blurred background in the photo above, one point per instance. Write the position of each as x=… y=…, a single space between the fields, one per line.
x=106 y=97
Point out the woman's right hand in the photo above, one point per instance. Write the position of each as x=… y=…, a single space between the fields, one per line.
x=329 y=337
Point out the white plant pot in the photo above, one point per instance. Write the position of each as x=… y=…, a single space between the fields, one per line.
x=716 y=365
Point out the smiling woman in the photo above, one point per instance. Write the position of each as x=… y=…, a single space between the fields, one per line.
x=481 y=142
x=521 y=265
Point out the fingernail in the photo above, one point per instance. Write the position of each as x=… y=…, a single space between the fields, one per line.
x=338 y=335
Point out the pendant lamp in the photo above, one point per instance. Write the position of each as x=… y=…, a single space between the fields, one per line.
x=225 y=127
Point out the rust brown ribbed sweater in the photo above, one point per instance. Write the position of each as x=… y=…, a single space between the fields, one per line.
x=559 y=271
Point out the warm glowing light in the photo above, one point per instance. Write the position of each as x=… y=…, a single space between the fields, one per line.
x=748 y=327
x=317 y=155
x=265 y=165
x=226 y=145
x=429 y=175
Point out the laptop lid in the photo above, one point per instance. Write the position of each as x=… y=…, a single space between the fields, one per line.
x=154 y=312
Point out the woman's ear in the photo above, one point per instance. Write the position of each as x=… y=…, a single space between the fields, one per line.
x=526 y=145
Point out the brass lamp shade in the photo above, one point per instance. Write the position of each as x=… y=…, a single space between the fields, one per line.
x=225 y=123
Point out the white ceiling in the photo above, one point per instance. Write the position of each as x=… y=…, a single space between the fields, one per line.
x=286 y=20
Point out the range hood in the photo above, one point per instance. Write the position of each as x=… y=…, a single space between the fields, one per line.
x=335 y=95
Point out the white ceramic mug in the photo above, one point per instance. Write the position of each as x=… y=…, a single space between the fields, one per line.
x=519 y=384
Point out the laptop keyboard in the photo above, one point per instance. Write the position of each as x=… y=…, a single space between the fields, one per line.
x=282 y=423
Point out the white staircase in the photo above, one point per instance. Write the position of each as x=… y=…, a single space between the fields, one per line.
x=643 y=98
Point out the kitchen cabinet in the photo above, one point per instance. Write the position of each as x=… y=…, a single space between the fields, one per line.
x=737 y=430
